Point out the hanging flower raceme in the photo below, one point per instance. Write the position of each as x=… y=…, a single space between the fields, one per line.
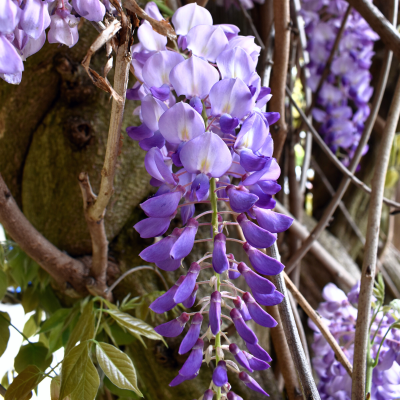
x=196 y=147
x=23 y=27
x=342 y=103
x=339 y=313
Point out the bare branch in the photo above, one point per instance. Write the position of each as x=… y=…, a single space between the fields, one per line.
x=65 y=270
x=161 y=27
x=279 y=71
x=379 y=24
x=319 y=252
x=251 y=23
x=292 y=336
x=371 y=249
x=316 y=318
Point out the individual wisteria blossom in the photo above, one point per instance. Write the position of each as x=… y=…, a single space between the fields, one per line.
x=342 y=104
x=212 y=146
x=23 y=25
x=339 y=313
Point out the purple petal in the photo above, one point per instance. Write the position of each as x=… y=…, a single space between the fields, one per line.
x=207 y=154
x=63 y=29
x=180 y=378
x=189 y=302
x=227 y=123
x=220 y=374
x=250 y=161
x=168 y=264
x=161 y=93
x=256 y=236
x=139 y=132
x=181 y=123
x=247 y=44
x=240 y=199
x=241 y=306
x=219 y=260
x=239 y=356
x=251 y=383
x=151 y=110
x=256 y=282
x=32 y=46
x=193 y=334
x=196 y=103
x=262 y=263
x=9 y=16
x=150 y=39
x=271 y=117
x=152 y=9
x=193 y=77
x=231 y=96
x=253 y=133
x=156 y=167
x=255 y=363
x=208 y=395
x=193 y=362
x=200 y=187
x=157 y=140
x=206 y=41
x=152 y=227
x=272 y=221
x=258 y=352
x=264 y=200
x=166 y=302
x=10 y=60
x=187 y=286
x=157 y=68
x=269 y=187
x=232 y=266
x=92 y=10
x=173 y=328
x=230 y=30
x=187 y=212
x=215 y=312
x=243 y=330
x=160 y=251
x=233 y=396
x=236 y=63
x=162 y=206
x=35 y=18
x=188 y=16
x=268 y=299
x=183 y=246
x=260 y=316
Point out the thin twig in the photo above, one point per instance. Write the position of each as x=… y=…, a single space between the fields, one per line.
x=316 y=318
x=319 y=252
x=357 y=156
x=342 y=207
x=131 y=271
x=66 y=270
x=251 y=23
x=377 y=21
x=292 y=336
x=371 y=249
x=279 y=72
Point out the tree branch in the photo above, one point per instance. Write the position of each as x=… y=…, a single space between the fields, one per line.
x=292 y=336
x=279 y=71
x=65 y=270
x=379 y=24
x=371 y=249
x=316 y=318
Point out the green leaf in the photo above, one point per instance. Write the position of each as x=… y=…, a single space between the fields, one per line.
x=117 y=366
x=72 y=369
x=134 y=325
x=395 y=305
x=3 y=284
x=56 y=319
x=30 y=299
x=120 y=335
x=84 y=329
x=121 y=394
x=49 y=301
x=32 y=354
x=22 y=386
x=4 y=331
x=55 y=388
x=89 y=384
x=30 y=327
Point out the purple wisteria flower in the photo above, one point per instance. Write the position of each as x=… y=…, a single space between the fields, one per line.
x=202 y=127
x=23 y=27
x=342 y=103
x=339 y=313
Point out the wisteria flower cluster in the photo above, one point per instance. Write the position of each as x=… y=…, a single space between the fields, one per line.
x=339 y=313
x=342 y=103
x=203 y=130
x=23 y=25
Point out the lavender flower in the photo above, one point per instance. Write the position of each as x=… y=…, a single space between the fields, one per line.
x=342 y=104
x=340 y=315
x=195 y=147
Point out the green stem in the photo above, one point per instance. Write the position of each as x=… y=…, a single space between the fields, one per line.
x=99 y=320
x=214 y=223
x=370 y=368
x=9 y=322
